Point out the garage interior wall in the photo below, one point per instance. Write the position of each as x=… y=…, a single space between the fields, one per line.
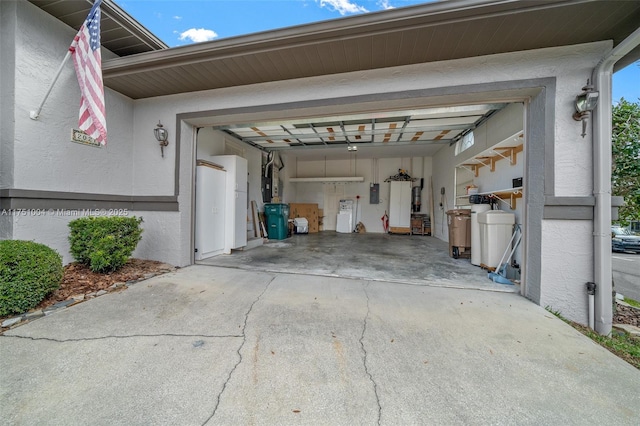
x=372 y=170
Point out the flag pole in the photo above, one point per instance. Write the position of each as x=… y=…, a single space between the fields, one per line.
x=35 y=114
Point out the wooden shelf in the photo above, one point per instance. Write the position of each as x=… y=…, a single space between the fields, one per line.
x=507 y=152
x=508 y=149
x=511 y=194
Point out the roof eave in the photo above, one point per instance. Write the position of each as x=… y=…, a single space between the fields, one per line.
x=437 y=12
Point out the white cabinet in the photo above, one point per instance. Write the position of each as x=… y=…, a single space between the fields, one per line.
x=236 y=202
x=400 y=206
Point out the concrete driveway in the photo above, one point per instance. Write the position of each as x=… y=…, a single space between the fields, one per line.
x=217 y=346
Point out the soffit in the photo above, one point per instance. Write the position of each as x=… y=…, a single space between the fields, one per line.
x=120 y=33
x=412 y=35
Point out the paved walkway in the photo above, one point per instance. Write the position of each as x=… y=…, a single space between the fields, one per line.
x=219 y=346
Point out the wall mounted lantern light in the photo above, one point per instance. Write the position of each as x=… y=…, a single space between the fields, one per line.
x=161 y=135
x=584 y=104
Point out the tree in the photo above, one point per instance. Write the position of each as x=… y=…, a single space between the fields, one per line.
x=625 y=144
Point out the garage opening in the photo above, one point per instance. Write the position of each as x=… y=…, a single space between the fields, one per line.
x=378 y=193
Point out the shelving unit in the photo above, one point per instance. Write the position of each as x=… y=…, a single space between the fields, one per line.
x=506 y=150
x=501 y=153
x=511 y=194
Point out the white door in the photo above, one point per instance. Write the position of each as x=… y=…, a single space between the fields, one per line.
x=333 y=193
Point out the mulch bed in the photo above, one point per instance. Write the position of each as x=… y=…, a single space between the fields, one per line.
x=626 y=315
x=80 y=280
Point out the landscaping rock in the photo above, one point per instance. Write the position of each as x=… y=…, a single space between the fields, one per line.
x=630 y=329
x=11 y=321
x=34 y=315
x=101 y=292
x=63 y=304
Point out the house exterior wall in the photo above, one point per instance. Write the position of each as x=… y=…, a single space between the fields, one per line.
x=42 y=158
x=569 y=67
x=37 y=155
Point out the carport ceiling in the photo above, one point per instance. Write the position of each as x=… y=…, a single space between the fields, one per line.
x=420 y=132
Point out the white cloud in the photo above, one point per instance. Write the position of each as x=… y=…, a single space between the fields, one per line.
x=198 y=35
x=177 y=18
x=385 y=5
x=342 y=6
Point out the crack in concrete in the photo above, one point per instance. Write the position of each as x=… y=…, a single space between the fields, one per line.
x=238 y=351
x=130 y=336
x=364 y=358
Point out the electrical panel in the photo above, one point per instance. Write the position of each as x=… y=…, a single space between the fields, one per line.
x=374 y=193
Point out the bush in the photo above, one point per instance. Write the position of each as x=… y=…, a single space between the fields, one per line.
x=28 y=273
x=104 y=243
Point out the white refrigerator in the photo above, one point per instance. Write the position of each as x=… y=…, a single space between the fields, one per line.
x=236 y=200
x=210 y=209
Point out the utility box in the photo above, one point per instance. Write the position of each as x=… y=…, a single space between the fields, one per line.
x=459 y=221
x=277 y=220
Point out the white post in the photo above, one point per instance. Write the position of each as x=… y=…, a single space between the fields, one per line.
x=35 y=114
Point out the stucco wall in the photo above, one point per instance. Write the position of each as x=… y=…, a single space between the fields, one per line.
x=7 y=92
x=44 y=157
x=38 y=154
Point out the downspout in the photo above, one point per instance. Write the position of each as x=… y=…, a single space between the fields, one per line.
x=601 y=78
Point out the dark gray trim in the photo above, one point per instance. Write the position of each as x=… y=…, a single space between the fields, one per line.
x=570 y=201
x=569 y=208
x=176 y=177
x=504 y=87
x=568 y=212
x=45 y=200
x=539 y=138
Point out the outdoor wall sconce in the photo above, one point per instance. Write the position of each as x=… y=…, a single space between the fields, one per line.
x=161 y=135
x=585 y=103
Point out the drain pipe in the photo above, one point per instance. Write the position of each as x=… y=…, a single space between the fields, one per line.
x=601 y=125
x=591 y=291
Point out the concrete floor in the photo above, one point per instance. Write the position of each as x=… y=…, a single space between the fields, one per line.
x=415 y=259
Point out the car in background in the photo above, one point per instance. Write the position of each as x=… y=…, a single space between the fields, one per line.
x=623 y=240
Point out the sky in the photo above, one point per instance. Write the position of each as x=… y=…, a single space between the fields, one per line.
x=182 y=22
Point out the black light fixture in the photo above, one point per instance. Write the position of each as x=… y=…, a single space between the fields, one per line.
x=161 y=136
x=584 y=104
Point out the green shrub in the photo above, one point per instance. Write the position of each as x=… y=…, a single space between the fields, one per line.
x=104 y=243
x=28 y=273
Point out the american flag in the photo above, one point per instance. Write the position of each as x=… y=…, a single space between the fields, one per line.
x=85 y=50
